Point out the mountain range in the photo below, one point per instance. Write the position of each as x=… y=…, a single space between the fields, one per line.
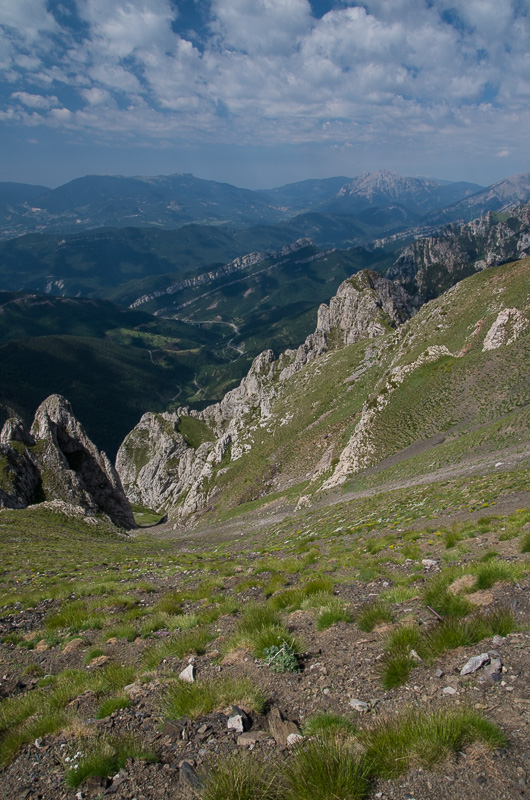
x=175 y=200
x=219 y=317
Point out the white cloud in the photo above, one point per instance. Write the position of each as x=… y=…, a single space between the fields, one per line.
x=35 y=100
x=260 y=26
x=28 y=18
x=95 y=96
x=61 y=114
x=124 y=26
x=410 y=72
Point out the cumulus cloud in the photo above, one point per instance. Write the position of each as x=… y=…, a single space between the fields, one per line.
x=26 y=19
x=415 y=72
x=35 y=100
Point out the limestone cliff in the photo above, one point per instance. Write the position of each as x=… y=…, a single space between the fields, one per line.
x=237 y=265
x=56 y=460
x=431 y=265
x=161 y=468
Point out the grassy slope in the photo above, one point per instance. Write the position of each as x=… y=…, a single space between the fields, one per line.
x=477 y=400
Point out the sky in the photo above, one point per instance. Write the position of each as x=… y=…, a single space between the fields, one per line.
x=259 y=93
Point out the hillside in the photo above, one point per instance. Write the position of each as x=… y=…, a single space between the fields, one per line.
x=339 y=602
x=112 y=363
x=357 y=402
x=388 y=629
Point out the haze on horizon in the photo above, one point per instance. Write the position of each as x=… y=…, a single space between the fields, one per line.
x=260 y=93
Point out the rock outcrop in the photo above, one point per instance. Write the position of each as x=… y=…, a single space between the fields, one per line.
x=431 y=265
x=507 y=328
x=365 y=306
x=161 y=469
x=237 y=265
x=57 y=461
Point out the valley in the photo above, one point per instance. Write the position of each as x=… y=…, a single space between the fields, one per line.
x=307 y=574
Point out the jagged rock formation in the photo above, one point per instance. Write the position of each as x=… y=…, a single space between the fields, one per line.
x=366 y=305
x=56 y=460
x=237 y=265
x=158 y=466
x=431 y=265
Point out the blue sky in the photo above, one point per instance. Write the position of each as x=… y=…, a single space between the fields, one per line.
x=264 y=92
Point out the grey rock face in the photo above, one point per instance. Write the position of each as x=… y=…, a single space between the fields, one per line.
x=57 y=461
x=430 y=266
x=20 y=477
x=161 y=470
x=14 y=431
x=365 y=306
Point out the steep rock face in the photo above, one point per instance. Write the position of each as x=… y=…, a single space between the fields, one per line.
x=19 y=475
x=365 y=306
x=429 y=266
x=160 y=469
x=57 y=460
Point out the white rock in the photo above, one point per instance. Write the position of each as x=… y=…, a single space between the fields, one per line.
x=450 y=690
x=428 y=562
x=188 y=675
x=294 y=738
x=236 y=723
x=359 y=705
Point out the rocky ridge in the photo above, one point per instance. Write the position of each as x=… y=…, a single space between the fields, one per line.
x=159 y=468
x=237 y=265
x=56 y=461
x=431 y=265
x=367 y=386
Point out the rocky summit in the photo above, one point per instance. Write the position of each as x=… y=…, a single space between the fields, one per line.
x=56 y=461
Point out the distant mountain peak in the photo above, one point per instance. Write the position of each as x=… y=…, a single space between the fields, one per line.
x=387 y=182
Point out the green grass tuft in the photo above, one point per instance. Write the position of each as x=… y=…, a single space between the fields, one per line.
x=105 y=757
x=111 y=705
x=371 y=615
x=238 y=777
x=193 y=699
x=326 y=723
x=325 y=768
x=424 y=739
